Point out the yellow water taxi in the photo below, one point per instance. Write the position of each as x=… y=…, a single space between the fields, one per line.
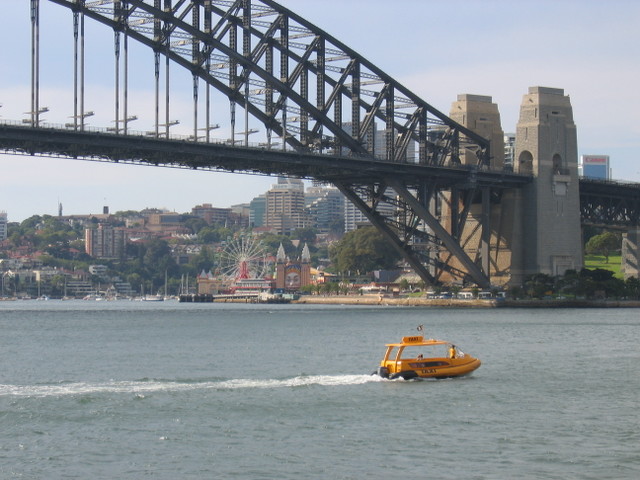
x=416 y=357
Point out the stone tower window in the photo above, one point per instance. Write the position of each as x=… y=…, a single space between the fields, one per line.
x=525 y=163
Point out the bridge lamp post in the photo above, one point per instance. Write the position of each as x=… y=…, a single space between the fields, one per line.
x=166 y=126
x=34 y=117
x=207 y=130
x=246 y=134
x=124 y=121
x=82 y=116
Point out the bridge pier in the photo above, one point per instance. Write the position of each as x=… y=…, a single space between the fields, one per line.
x=631 y=253
x=548 y=224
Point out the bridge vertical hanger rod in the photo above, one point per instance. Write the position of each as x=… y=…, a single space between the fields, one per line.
x=320 y=84
x=284 y=73
x=82 y=68
x=35 y=63
x=157 y=35
x=167 y=36
x=156 y=58
x=207 y=30
x=126 y=71
x=246 y=52
x=233 y=79
x=116 y=39
x=268 y=92
x=76 y=21
x=195 y=58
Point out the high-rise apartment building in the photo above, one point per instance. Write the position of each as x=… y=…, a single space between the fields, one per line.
x=3 y=225
x=257 y=209
x=324 y=206
x=105 y=241
x=509 y=150
x=354 y=218
x=285 y=206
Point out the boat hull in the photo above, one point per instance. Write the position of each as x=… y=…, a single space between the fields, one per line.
x=424 y=370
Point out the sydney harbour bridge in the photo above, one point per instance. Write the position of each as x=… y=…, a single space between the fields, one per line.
x=313 y=108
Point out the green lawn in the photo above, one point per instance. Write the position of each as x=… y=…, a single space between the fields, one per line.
x=597 y=261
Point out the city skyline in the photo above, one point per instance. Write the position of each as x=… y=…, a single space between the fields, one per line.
x=440 y=50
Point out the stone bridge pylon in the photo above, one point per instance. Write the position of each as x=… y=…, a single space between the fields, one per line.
x=536 y=228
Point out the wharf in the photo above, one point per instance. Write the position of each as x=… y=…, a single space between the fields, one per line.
x=463 y=303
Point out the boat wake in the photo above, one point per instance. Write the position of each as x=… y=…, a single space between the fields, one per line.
x=148 y=386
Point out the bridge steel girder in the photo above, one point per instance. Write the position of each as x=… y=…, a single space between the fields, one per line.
x=609 y=204
x=480 y=275
x=415 y=232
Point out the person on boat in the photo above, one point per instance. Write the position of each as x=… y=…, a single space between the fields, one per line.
x=452 y=351
x=419 y=357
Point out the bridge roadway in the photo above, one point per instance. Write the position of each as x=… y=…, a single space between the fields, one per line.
x=606 y=203
x=101 y=145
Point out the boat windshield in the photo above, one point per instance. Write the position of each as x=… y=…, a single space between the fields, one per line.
x=427 y=351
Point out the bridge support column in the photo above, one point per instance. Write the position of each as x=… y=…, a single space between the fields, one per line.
x=546 y=147
x=631 y=253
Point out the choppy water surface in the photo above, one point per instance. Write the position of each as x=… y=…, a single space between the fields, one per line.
x=188 y=391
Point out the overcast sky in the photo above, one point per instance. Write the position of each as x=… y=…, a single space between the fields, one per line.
x=437 y=48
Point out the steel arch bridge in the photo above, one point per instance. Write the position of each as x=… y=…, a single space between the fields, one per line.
x=318 y=97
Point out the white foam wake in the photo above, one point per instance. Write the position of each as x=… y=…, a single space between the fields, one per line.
x=150 y=386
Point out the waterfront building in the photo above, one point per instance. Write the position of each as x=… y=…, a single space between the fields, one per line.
x=595 y=166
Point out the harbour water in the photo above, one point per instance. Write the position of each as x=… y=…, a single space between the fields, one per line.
x=163 y=390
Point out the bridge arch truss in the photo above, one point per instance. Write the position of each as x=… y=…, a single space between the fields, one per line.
x=313 y=94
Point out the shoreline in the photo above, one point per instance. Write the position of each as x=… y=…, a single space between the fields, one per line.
x=458 y=303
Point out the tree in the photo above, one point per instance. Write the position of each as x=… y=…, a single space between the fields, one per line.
x=272 y=241
x=603 y=244
x=363 y=250
x=195 y=224
x=305 y=235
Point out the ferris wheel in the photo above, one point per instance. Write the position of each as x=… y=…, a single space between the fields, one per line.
x=243 y=258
